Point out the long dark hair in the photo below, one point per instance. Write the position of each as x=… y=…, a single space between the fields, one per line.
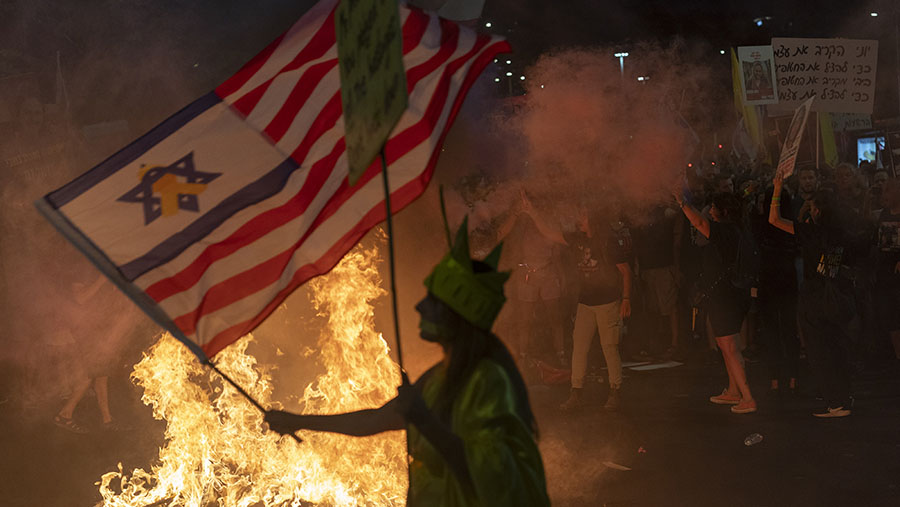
x=467 y=346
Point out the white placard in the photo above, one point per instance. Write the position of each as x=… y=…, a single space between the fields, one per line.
x=756 y=65
x=839 y=73
x=792 y=142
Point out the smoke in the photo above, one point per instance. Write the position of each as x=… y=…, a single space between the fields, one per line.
x=600 y=137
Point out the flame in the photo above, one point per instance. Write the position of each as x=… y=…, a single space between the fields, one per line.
x=215 y=452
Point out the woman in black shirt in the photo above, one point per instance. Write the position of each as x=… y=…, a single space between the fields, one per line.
x=725 y=303
x=826 y=297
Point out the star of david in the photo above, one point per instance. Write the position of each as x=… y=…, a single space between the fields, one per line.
x=164 y=190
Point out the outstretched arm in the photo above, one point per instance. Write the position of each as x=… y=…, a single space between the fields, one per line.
x=393 y=415
x=775 y=217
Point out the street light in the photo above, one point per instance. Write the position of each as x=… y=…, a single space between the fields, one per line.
x=621 y=56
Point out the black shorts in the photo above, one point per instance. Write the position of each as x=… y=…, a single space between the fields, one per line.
x=727 y=308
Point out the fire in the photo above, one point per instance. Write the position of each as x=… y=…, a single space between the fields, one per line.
x=215 y=452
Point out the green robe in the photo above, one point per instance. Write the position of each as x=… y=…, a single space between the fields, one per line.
x=501 y=452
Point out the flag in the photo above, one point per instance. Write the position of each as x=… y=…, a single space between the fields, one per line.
x=210 y=220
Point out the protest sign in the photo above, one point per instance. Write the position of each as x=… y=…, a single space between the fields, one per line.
x=839 y=73
x=792 y=142
x=757 y=71
x=373 y=81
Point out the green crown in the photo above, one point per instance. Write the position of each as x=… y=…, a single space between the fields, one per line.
x=477 y=297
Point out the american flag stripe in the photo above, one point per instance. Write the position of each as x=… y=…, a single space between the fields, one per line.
x=242 y=284
x=191 y=274
x=323 y=263
x=273 y=219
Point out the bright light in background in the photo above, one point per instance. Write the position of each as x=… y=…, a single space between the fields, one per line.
x=496 y=79
x=621 y=55
x=509 y=62
x=488 y=24
x=509 y=74
x=759 y=22
x=721 y=51
x=873 y=14
x=522 y=78
x=643 y=78
x=542 y=87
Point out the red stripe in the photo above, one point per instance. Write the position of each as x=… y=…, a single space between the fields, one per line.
x=272 y=219
x=251 y=231
x=449 y=43
x=298 y=97
x=413 y=29
x=399 y=199
x=323 y=265
x=262 y=275
x=318 y=45
x=268 y=272
x=235 y=82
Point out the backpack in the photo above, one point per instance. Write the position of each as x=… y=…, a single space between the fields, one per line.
x=745 y=273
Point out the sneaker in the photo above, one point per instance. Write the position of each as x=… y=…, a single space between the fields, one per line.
x=725 y=398
x=833 y=412
x=614 y=399
x=744 y=407
x=575 y=400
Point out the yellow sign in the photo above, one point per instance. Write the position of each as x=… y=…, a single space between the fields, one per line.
x=373 y=80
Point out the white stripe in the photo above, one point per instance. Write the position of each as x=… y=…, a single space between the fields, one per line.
x=294 y=40
x=236 y=151
x=423 y=92
x=404 y=170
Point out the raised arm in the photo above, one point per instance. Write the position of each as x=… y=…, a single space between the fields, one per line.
x=548 y=231
x=775 y=217
x=693 y=215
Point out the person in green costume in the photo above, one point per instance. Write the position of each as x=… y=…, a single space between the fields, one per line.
x=473 y=434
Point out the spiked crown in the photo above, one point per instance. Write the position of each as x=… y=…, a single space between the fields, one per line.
x=473 y=289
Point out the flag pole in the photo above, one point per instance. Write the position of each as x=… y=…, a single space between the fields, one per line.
x=390 y=232
x=404 y=379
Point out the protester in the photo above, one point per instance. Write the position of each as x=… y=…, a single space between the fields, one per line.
x=778 y=300
x=826 y=299
x=473 y=432
x=726 y=304
x=537 y=280
x=604 y=299
x=887 y=266
x=657 y=244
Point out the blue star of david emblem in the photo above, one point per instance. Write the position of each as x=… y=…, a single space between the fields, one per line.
x=164 y=190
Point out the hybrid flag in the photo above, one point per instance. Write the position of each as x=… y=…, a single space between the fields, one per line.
x=210 y=220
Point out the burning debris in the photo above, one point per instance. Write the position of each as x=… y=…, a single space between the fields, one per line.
x=216 y=451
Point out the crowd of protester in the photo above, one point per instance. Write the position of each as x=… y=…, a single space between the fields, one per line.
x=825 y=294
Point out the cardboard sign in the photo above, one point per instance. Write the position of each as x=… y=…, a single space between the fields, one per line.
x=792 y=142
x=373 y=80
x=839 y=73
x=757 y=70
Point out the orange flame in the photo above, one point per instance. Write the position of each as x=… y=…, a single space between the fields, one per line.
x=215 y=450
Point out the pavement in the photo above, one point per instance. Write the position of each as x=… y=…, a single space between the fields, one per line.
x=668 y=445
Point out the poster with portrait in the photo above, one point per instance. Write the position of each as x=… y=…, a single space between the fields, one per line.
x=791 y=146
x=757 y=67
